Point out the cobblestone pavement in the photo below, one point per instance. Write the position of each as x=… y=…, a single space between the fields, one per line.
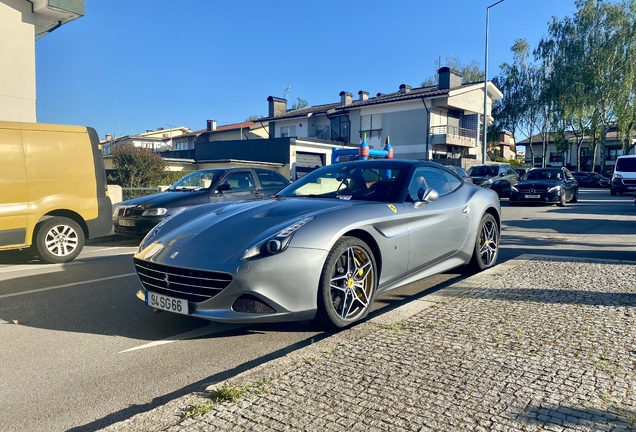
x=534 y=344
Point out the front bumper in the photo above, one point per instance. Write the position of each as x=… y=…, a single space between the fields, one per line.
x=282 y=287
x=623 y=186
x=135 y=226
x=545 y=198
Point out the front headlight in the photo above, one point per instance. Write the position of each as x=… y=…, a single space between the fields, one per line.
x=116 y=212
x=276 y=243
x=155 y=212
x=487 y=182
x=616 y=176
x=554 y=189
x=514 y=189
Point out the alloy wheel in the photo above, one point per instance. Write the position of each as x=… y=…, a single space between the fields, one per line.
x=352 y=284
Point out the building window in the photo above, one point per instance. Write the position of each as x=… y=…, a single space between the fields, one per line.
x=556 y=157
x=612 y=153
x=181 y=145
x=288 y=131
x=340 y=129
x=371 y=125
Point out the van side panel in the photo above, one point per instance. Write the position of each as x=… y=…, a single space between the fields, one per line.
x=60 y=172
x=13 y=187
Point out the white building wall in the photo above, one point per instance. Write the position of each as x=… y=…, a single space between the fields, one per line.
x=17 y=57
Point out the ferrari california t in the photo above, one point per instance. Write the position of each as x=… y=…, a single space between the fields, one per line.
x=322 y=248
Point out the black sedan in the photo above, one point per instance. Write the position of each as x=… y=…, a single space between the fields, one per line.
x=498 y=177
x=546 y=185
x=591 y=179
x=137 y=216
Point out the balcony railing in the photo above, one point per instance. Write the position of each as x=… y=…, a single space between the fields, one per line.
x=452 y=135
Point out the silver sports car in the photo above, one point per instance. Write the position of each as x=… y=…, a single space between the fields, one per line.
x=322 y=248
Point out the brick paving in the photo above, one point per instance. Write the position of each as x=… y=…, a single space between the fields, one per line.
x=534 y=344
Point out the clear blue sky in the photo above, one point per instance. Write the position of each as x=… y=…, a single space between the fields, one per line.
x=128 y=66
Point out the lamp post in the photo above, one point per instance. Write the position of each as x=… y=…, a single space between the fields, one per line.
x=485 y=119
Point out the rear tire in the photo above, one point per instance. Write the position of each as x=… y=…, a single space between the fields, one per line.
x=562 y=199
x=58 y=240
x=575 y=197
x=486 y=245
x=347 y=284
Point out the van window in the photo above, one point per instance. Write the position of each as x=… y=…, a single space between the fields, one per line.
x=626 y=164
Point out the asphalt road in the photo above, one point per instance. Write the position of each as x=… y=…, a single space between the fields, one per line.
x=80 y=352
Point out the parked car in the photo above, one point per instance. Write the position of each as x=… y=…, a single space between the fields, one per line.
x=624 y=177
x=521 y=171
x=322 y=248
x=546 y=185
x=136 y=217
x=591 y=179
x=460 y=172
x=498 y=177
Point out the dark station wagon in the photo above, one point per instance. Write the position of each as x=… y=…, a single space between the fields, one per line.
x=136 y=217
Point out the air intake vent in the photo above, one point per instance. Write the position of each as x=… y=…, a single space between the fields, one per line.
x=192 y=285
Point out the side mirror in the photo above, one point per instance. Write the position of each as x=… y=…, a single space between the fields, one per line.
x=502 y=174
x=224 y=187
x=425 y=196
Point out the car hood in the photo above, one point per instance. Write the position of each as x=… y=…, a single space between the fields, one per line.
x=171 y=199
x=231 y=229
x=538 y=183
x=480 y=179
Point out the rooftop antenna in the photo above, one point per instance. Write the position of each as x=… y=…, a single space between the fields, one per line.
x=287 y=90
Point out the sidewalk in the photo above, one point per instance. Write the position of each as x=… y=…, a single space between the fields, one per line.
x=537 y=343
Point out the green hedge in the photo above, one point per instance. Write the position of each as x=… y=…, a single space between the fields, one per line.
x=168 y=177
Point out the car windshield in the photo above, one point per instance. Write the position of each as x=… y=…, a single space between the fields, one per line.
x=626 y=164
x=483 y=170
x=195 y=181
x=596 y=175
x=543 y=174
x=368 y=180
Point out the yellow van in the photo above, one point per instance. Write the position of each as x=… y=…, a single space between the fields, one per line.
x=53 y=192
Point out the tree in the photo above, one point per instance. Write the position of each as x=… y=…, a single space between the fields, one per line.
x=136 y=167
x=470 y=72
x=254 y=117
x=299 y=104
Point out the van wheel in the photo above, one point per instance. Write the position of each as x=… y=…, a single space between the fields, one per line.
x=58 y=240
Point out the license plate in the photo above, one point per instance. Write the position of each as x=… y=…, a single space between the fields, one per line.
x=166 y=303
x=532 y=196
x=126 y=222
x=631 y=187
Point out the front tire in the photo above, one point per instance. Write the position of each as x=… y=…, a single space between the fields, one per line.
x=486 y=245
x=347 y=284
x=58 y=240
x=612 y=192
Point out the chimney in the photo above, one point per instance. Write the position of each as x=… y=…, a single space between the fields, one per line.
x=277 y=106
x=405 y=88
x=211 y=125
x=345 y=98
x=109 y=137
x=364 y=95
x=379 y=94
x=448 y=78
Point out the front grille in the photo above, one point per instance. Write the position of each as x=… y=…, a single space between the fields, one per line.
x=192 y=285
x=536 y=190
x=128 y=211
x=629 y=182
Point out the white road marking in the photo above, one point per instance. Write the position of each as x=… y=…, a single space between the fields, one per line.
x=66 y=285
x=133 y=248
x=203 y=331
x=52 y=267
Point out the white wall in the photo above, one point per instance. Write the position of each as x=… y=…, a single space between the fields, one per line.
x=17 y=57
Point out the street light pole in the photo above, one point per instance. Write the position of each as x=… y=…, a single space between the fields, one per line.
x=485 y=119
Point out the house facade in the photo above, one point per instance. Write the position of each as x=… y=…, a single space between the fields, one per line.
x=603 y=162
x=440 y=123
x=22 y=23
